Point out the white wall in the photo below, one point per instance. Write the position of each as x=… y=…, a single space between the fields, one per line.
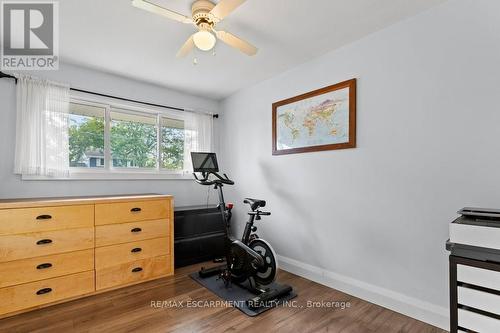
x=186 y=192
x=373 y=221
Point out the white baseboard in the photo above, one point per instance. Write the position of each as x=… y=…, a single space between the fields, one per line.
x=409 y=306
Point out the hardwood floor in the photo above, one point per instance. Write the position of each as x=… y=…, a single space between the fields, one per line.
x=130 y=310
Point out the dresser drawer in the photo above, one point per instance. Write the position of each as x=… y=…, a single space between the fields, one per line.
x=14 y=247
x=478 y=276
x=479 y=299
x=118 y=254
x=128 y=232
x=131 y=272
x=41 y=292
x=477 y=322
x=24 y=220
x=41 y=268
x=122 y=212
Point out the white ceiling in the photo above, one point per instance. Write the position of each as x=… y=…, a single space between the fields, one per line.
x=115 y=37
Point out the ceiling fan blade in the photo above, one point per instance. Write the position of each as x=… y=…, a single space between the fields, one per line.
x=224 y=8
x=186 y=48
x=151 y=7
x=236 y=42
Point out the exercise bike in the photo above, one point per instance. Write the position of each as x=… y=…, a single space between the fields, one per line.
x=250 y=262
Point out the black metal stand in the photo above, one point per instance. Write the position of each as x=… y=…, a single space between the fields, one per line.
x=455 y=283
x=453 y=295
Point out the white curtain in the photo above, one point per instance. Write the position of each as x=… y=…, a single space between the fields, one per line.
x=42 y=146
x=198 y=136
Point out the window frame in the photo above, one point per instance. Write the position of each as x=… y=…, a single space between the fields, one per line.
x=108 y=172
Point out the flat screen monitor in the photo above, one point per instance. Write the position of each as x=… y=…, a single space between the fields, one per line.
x=204 y=162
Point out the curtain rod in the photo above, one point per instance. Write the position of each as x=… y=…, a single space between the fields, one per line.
x=4 y=75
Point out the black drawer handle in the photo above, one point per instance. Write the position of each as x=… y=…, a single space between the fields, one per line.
x=137 y=249
x=137 y=269
x=44 y=266
x=43 y=217
x=136 y=230
x=44 y=241
x=44 y=291
x=135 y=210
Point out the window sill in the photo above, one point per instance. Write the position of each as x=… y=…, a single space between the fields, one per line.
x=123 y=175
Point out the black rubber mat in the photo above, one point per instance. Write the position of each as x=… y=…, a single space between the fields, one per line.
x=237 y=296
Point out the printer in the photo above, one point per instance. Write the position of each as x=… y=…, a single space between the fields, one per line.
x=476 y=234
x=474 y=271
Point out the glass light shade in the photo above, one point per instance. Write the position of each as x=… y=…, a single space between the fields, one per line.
x=204 y=40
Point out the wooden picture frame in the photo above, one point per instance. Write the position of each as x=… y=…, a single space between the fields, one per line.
x=312 y=121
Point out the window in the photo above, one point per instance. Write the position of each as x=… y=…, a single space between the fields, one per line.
x=172 y=144
x=107 y=138
x=63 y=134
x=86 y=135
x=133 y=139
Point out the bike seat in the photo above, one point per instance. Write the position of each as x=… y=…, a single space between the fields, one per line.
x=255 y=203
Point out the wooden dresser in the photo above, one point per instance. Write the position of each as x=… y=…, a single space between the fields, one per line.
x=57 y=249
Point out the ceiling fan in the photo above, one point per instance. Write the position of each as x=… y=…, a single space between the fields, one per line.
x=205 y=16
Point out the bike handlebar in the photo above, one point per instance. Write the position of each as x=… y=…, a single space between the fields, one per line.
x=206 y=181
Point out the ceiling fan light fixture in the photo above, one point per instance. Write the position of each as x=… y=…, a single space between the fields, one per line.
x=205 y=15
x=204 y=40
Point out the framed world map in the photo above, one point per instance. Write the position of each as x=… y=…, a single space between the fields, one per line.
x=323 y=119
